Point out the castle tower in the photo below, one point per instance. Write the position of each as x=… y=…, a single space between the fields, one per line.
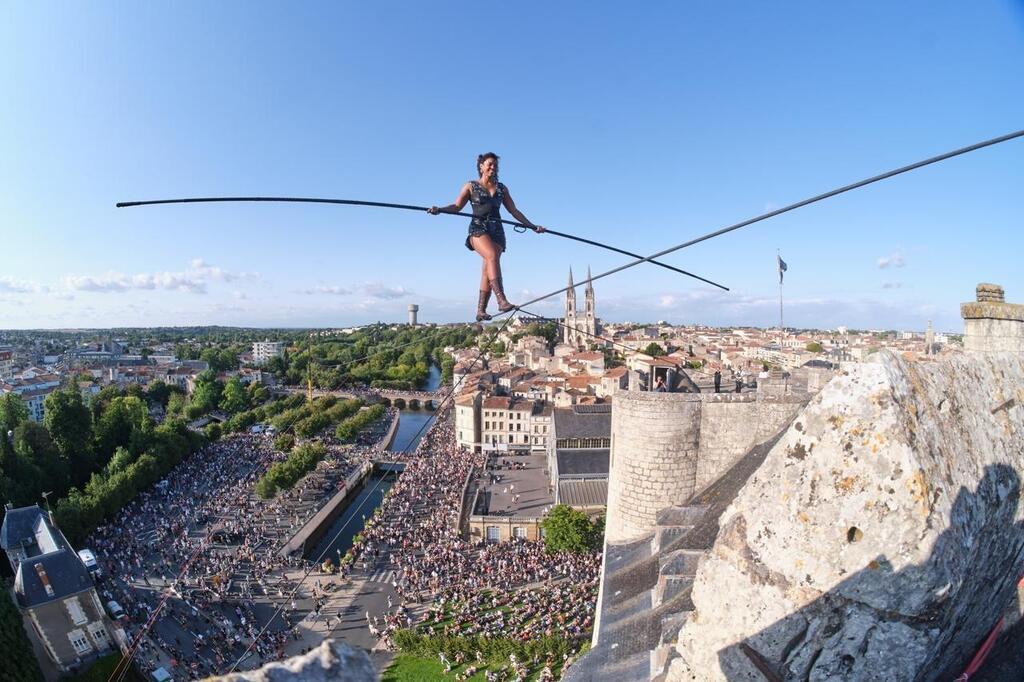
x=653 y=465
x=591 y=316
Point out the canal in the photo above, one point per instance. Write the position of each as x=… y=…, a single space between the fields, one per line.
x=359 y=506
x=365 y=498
x=412 y=424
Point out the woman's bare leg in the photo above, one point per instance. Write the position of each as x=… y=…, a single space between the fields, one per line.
x=492 y=268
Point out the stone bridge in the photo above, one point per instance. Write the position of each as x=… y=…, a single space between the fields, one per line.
x=412 y=400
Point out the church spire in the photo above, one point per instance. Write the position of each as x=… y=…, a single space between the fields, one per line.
x=570 y=277
x=590 y=285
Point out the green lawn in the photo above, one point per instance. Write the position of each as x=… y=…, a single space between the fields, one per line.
x=410 y=668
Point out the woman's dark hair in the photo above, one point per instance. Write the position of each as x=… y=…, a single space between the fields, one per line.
x=483 y=157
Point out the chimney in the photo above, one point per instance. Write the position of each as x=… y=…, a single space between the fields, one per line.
x=991 y=324
x=44 y=579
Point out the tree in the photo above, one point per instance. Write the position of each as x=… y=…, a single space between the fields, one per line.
x=125 y=423
x=569 y=530
x=70 y=426
x=176 y=404
x=219 y=359
x=20 y=663
x=120 y=461
x=159 y=393
x=813 y=347
x=13 y=411
x=654 y=350
x=258 y=393
x=234 y=398
x=207 y=392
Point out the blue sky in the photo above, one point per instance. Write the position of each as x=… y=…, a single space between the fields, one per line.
x=641 y=125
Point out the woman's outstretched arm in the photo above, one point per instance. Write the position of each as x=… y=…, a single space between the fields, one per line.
x=510 y=206
x=460 y=201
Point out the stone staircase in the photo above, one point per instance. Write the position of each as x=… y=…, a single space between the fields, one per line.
x=646 y=584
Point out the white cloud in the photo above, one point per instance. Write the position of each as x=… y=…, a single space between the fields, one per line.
x=375 y=290
x=378 y=290
x=333 y=290
x=896 y=260
x=9 y=285
x=892 y=285
x=193 y=280
x=212 y=272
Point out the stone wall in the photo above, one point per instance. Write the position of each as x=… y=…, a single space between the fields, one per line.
x=667 y=446
x=733 y=423
x=882 y=536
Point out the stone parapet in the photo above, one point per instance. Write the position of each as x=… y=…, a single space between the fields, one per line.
x=1012 y=312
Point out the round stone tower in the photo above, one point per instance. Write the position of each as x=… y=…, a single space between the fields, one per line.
x=655 y=440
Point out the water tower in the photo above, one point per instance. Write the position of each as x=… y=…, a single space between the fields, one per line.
x=413 y=309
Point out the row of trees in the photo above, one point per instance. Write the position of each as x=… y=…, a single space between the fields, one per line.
x=74 y=441
x=241 y=421
x=210 y=393
x=283 y=475
x=377 y=356
x=321 y=419
x=349 y=429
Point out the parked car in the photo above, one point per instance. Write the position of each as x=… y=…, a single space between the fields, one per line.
x=115 y=610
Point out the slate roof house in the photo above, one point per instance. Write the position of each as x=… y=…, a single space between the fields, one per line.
x=53 y=589
x=578 y=456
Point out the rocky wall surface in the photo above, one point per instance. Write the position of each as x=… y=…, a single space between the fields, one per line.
x=332 y=661
x=880 y=539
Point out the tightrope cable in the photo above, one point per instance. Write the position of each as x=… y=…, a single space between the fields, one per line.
x=408 y=207
x=791 y=207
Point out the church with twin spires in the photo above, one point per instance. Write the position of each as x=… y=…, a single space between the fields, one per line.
x=579 y=329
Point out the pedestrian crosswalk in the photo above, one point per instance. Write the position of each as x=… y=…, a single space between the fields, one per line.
x=149 y=537
x=383 y=576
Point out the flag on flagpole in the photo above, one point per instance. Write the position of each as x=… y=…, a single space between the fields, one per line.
x=782 y=267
